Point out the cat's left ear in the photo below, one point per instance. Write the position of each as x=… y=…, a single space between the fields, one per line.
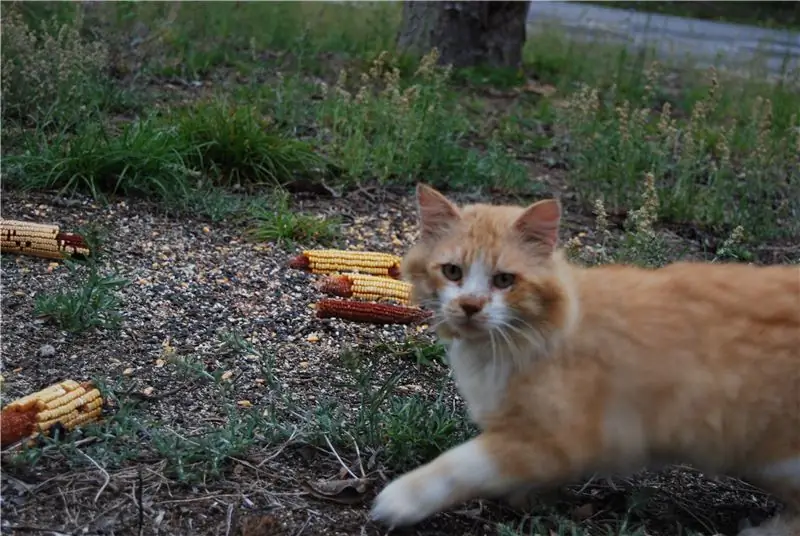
x=540 y=222
x=436 y=212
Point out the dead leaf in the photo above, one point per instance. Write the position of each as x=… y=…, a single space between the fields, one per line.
x=583 y=512
x=545 y=90
x=259 y=525
x=349 y=491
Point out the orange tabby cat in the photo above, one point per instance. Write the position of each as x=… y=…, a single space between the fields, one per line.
x=570 y=371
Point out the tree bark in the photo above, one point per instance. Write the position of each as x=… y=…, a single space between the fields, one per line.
x=467 y=34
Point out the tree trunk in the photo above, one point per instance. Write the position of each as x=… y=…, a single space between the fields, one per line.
x=466 y=34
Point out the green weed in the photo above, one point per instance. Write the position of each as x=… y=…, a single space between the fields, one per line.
x=407 y=429
x=278 y=223
x=557 y=526
x=92 y=303
x=640 y=244
x=397 y=132
x=51 y=74
x=699 y=178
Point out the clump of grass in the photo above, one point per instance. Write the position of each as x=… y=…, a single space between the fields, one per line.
x=91 y=303
x=50 y=73
x=397 y=131
x=700 y=178
x=407 y=429
x=91 y=298
x=142 y=159
x=278 y=223
x=237 y=145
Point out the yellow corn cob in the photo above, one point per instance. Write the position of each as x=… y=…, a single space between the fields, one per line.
x=326 y=261
x=67 y=403
x=366 y=287
x=40 y=240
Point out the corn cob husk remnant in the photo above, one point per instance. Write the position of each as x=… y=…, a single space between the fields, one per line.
x=370 y=313
x=328 y=261
x=67 y=403
x=40 y=240
x=366 y=287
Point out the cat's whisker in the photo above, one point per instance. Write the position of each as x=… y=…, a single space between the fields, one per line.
x=527 y=332
x=494 y=355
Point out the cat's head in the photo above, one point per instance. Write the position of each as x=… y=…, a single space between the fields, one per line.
x=489 y=272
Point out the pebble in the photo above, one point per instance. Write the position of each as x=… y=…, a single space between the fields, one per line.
x=47 y=350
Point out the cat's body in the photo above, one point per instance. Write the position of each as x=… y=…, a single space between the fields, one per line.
x=570 y=371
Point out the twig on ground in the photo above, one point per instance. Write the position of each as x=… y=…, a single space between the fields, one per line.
x=338 y=458
x=358 y=455
x=99 y=468
x=229 y=520
x=32 y=528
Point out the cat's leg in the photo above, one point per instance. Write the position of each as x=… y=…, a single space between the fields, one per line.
x=782 y=480
x=785 y=524
x=487 y=466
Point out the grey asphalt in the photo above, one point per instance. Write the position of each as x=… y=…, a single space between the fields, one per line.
x=699 y=42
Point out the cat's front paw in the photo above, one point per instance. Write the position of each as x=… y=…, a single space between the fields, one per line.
x=400 y=503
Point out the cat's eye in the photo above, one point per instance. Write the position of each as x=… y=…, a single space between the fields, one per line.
x=503 y=280
x=452 y=272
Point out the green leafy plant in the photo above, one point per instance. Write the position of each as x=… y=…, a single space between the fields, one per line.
x=93 y=303
x=278 y=223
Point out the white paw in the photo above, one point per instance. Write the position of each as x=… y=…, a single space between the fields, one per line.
x=776 y=526
x=400 y=503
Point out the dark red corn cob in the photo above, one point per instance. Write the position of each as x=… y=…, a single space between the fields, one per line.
x=370 y=313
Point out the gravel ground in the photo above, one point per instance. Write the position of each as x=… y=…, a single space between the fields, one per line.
x=193 y=281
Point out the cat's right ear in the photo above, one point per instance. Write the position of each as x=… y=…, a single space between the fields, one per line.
x=436 y=212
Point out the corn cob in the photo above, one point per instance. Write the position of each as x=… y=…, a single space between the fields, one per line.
x=67 y=403
x=326 y=261
x=370 y=313
x=366 y=287
x=39 y=240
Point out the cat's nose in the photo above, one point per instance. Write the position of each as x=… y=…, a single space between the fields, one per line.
x=472 y=306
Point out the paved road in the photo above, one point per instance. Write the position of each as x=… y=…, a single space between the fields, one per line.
x=681 y=38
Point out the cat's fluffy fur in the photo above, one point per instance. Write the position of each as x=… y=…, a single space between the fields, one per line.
x=570 y=371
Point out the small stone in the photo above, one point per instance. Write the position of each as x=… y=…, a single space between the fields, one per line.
x=206 y=229
x=303 y=365
x=128 y=371
x=148 y=391
x=47 y=350
x=313 y=337
x=160 y=363
x=245 y=403
x=226 y=375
